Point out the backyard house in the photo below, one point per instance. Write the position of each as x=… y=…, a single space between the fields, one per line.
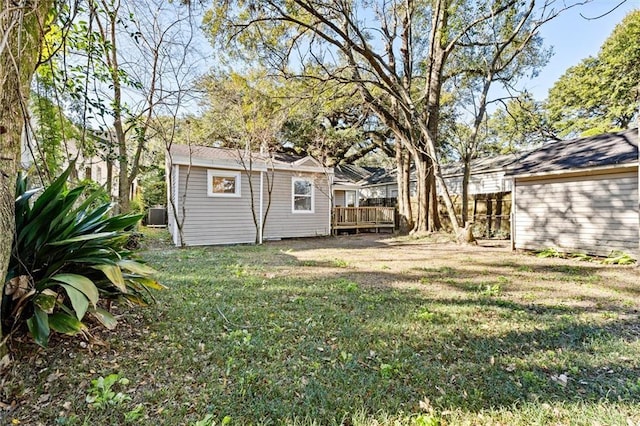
x=348 y=180
x=487 y=177
x=348 y=215
x=579 y=195
x=489 y=191
x=229 y=196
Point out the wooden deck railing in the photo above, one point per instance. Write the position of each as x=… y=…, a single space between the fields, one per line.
x=363 y=217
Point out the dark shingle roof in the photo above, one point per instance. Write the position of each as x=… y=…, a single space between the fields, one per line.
x=482 y=164
x=352 y=173
x=382 y=176
x=478 y=165
x=606 y=149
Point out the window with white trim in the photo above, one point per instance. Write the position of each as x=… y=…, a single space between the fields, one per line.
x=223 y=184
x=302 y=195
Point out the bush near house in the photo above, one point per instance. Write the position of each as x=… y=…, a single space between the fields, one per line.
x=68 y=255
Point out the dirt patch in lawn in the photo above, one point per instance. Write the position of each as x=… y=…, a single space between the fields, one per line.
x=438 y=265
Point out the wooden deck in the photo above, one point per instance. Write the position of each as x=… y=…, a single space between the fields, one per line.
x=362 y=218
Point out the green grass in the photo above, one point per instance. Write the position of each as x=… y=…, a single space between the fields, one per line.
x=249 y=335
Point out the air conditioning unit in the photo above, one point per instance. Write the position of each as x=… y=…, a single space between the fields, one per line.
x=157 y=217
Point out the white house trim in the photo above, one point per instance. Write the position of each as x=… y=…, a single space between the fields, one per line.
x=176 y=203
x=295 y=179
x=586 y=171
x=261 y=221
x=258 y=166
x=221 y=173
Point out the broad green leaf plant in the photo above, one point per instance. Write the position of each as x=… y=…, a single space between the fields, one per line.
x=68 y=257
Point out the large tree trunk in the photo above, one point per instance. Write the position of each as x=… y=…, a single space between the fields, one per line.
x=422 y=170
x=123 y=171
x=466 y=177
x=429 y=129
x=434 y=204
x=403 y=164
x=21 y=32
x=107 y=26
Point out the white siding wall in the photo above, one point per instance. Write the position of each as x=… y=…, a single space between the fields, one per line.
x=485 y=183
x=228 y=220
x=379 y=191
x=592 y=214
x=283 y=223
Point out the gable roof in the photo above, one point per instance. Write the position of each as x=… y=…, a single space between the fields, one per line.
x=350 y=173
x=478 y=166
x=483 y=164
x=229 y=158
x=383 y=176
x=599 y=151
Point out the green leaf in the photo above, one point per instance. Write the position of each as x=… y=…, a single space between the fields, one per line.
x=105 y=318
x=87 y=237
x=136 y=300
x=66 y=324
x=136 y=267
x=79 y=301
x=114 y=273
x=149 y=283
x=46 y=302
x=122 y=222
x=39 y=326
x=82 y=283
x=23 y=197
x=53 y=191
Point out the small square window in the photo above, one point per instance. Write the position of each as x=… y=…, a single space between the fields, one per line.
x=302 y=195
x=223 y=184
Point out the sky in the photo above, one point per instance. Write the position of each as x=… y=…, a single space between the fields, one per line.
x=574 y=38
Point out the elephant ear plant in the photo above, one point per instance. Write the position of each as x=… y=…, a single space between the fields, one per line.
x=69 y=257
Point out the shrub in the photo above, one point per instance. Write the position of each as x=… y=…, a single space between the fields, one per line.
x=550 y=252
x=618 y=257
x=67 y=256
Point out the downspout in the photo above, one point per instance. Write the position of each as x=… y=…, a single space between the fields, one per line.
x=176 y=203
x=513 y=213
x=331 y=203
x=260 y=236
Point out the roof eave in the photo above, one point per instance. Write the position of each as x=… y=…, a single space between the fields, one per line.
x=260 y=166
x=551 y=173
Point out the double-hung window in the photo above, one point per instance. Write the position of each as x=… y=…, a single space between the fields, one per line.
x=223 y=184
x=302 y=192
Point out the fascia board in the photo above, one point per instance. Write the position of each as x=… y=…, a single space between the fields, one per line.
x=258 y=165
x=570 y=172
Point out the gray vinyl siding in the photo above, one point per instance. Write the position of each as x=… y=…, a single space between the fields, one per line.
x=228 y=220
x=216 y=220
x=590 y=214
x=283 y=223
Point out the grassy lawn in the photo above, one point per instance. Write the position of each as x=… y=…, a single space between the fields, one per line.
x=358 y=330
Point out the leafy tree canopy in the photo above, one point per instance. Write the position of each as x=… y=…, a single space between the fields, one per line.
x=600 y=93
x=305 y=117
x=518 y=124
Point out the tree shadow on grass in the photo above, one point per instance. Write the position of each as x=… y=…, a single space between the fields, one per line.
x=348 y=339
x=551 y=357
